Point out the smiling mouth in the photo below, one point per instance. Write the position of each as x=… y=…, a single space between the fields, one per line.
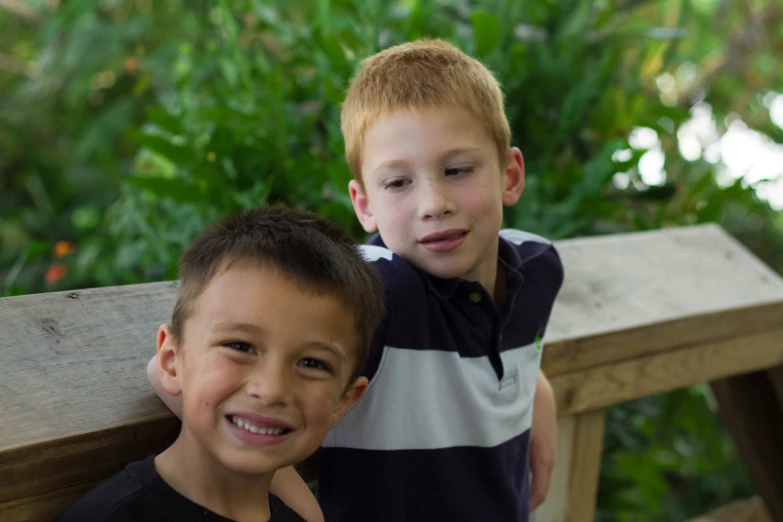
x=435 y=239
x=248 y=426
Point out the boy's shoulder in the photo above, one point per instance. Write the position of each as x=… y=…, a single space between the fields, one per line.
x=138 y=493
x=116 y=499
x=531 y=252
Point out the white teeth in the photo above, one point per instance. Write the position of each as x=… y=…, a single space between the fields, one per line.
x=252 y=428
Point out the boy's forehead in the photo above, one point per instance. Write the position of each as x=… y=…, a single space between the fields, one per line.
x=253 y=297
x=432 y=132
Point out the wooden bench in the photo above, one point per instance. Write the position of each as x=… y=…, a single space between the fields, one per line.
x=639 y=314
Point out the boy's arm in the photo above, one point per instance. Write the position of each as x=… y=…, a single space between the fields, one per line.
x=287 y=484
x=290 y=487
x=543 y=441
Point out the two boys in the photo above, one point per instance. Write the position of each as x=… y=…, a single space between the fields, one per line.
x=443 y=431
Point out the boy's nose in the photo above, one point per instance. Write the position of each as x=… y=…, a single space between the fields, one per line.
x=269 y=385
x=435 y=201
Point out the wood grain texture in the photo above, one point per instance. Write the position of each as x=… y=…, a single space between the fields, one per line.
x=46 y=507
x=554 y=508
x=588 y=443
x=666 y=371
x=750 y=410
x=634 y=294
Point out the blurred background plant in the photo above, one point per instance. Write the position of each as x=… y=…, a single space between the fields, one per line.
x=128 y=125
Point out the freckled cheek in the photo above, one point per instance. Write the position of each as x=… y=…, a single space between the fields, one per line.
x=209 y=390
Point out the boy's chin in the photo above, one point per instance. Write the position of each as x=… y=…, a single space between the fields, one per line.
x=254 y=465
x=440 y=269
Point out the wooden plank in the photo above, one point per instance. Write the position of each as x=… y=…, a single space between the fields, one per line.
x=666 y=371
x=47 y=466
x=554 y=507
x=46 y=507
x=73 y=362
x=585 y=466
x=750 y=410
x=630 y=295
x=775 y=376
x=738 y=511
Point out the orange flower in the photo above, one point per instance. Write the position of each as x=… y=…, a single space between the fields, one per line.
x=131 y=64
x=56 y=272
x=62 y=248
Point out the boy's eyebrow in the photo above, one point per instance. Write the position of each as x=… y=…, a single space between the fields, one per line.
x=401 y=162
x=391 y=164
x=330 y=347
x=253 y=329
x=238 y=327
x=459 y=150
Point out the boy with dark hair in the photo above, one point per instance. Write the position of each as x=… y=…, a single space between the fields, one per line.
x=271 y=328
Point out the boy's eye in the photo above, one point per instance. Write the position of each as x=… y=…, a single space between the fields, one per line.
x=454 y=171
x=240 y=346
x=315 y=364
x=396 y=184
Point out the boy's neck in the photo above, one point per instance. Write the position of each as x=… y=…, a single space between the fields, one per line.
x=500 y=289
x=195 y=474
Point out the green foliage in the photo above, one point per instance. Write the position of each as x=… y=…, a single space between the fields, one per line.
x=128 y=126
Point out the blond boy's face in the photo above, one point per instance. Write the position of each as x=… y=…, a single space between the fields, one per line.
x=434 y=187
x=263 y=370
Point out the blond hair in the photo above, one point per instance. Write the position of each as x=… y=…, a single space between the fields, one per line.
x=423 y=74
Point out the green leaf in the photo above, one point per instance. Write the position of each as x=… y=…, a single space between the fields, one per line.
x=37 y=249
x=334 y=51
x=486 y=33
x=178 y=154
x=177 y=189
x=164 y=120
x=85 y=218
x=230 y=71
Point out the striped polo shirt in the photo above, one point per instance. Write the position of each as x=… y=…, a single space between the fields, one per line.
x=443 y=431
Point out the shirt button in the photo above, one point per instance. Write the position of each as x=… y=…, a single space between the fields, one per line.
x=475 y=297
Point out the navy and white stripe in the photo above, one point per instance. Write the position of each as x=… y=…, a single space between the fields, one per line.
x=444 y=428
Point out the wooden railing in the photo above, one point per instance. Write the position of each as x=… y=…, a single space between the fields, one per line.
x=639 y=314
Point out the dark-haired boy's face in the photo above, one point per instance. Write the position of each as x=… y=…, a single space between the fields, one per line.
x=263 y=371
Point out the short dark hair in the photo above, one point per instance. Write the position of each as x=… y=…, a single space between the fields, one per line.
x=312 y=251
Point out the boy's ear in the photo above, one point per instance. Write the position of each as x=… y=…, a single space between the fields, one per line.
x=361 y=205
x=349 y=398
x=168 y=362
x=513 y=177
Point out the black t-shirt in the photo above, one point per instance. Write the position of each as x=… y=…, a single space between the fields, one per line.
x=139 y=494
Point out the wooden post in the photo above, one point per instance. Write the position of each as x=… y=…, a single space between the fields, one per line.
x=750 y=409
x=574 y=485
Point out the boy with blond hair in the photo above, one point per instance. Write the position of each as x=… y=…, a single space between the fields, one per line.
x=444 y=429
